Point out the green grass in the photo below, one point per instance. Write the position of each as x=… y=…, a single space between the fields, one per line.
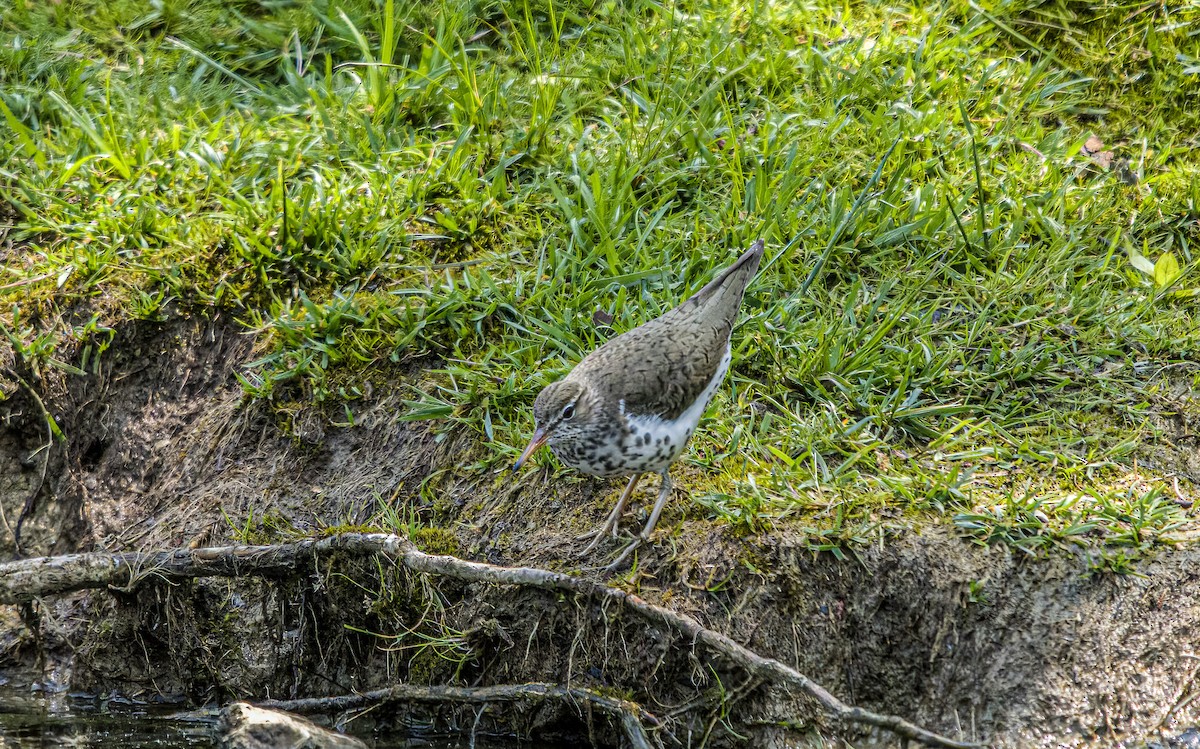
x=963 y=318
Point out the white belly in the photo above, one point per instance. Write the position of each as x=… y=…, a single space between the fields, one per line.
x=653 y=442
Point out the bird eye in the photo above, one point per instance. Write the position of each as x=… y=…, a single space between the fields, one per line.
x=569 y=411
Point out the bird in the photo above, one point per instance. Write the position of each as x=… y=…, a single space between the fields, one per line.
x=629 y=407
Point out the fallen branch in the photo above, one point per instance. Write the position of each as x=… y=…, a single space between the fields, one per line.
x=26 y=579
x=630 y=714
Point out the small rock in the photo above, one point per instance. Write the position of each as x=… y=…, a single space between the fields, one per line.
x=244 y=726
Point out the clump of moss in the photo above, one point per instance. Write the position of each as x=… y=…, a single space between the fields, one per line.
x=436 y=541
x=266 y=529
x=334 y=530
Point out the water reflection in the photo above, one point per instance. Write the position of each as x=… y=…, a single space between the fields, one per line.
x=39 y=721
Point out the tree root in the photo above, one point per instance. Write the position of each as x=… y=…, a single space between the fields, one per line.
x=631 y=716
x=24 y=580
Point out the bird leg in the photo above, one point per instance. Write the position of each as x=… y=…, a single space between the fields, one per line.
x=614 y=517
x=664 y=492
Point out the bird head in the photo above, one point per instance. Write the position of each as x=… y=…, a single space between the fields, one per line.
x=562 y=410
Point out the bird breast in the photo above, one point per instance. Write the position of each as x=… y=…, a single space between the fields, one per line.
x=648 y=443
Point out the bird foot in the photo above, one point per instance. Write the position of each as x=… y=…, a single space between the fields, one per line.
x=599 y=533
x=597 y=536
x=612 y=525
x=633 y=546
x=588 y=549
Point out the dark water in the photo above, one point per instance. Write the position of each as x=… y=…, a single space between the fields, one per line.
x=41 y=722
x=49 y=722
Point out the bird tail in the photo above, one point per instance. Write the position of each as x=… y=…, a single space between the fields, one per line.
x=734 y=279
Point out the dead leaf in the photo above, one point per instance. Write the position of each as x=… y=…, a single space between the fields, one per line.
x=601 y=319
x=1094 y=149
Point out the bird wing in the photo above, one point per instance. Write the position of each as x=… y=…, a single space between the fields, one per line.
x=663 y=366
x=656 y=375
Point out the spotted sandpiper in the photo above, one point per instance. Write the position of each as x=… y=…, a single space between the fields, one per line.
x=630 y=406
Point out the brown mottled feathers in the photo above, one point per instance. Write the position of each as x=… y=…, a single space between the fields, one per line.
x=661 y=373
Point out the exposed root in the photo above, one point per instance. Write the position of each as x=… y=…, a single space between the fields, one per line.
x=24 y=580
x=51 y=432
x=630 y=715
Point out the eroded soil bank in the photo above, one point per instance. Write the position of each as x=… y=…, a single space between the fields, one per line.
x=163 y=450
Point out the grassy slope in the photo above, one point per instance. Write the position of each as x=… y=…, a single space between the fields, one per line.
x=959 y=317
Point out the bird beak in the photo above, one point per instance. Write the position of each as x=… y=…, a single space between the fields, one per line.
x=539 y=438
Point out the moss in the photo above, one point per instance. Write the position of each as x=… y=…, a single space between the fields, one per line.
x=436 y=541
x=270 y=528
x=340 y=528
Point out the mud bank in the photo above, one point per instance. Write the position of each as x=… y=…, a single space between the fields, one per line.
x=163 y=450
